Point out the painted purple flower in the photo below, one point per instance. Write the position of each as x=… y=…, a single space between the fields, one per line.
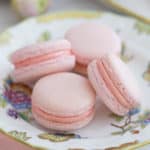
x=147 y=121
x=18 y=95
x=134 y=111
x=13 y=113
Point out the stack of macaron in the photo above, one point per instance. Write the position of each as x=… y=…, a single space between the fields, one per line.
x=69 y=73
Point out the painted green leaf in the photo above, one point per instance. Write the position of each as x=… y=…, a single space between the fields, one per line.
x=129 y=128
x=19 y=135
x=27 y=115
x=143 y=126
x=144 y=116
x=5 y=38
x=123 y=55
x=45 y=36
x=3 y=103
x=147 y=112
x=142 y=27
x=117 y=133
x=55 y=137
x=146 y=74
x=117 y=118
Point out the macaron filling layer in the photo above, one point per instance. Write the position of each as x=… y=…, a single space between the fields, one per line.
x=39 y=59
x=111 y=86
x=109 y=83
x=82 y=60
x=62 y=119
x=43 y=68
x=63 y=126
x=102 y=90
x=81 y=69
x=131 y=98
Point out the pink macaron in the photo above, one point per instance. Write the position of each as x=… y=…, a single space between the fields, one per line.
x=92 y=40
x=63 y=101
x=35 y=61
x=114 y=84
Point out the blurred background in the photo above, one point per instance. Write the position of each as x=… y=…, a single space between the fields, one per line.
x=9 y=17
x=13 y=11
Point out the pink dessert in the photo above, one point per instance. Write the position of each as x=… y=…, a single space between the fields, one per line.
x=63 y=101
x=114 y=84
x=35 y=61
x=92 y=40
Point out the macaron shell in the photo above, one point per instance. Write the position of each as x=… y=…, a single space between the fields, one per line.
x=63 y=127
x=34 y=72
x=75 y=97
x=91 y=40
x=108 y=81
x=103 y=91
x=123 y=79
x=40 y=49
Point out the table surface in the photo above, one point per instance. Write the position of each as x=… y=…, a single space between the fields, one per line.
x=8 y=18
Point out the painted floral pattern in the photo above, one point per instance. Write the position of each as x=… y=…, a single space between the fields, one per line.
x=18 y=95
x=45 y=36
x=22 y=136
x=26 y=115
x=12 y=113
x=5 y=38
x=142 y=27
x=146 y=74
x=58 y=137
x=3 y=102
x=129 y=123
x=124 y=55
